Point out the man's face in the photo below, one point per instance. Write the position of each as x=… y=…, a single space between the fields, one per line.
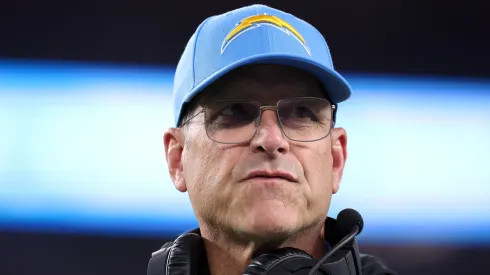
x=213 y=173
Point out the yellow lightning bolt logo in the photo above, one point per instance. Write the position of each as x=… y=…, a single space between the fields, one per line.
x=255 y=21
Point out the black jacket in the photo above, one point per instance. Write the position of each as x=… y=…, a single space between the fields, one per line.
x=186 y=256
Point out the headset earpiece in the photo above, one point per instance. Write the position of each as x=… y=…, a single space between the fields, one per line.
x=264 y=263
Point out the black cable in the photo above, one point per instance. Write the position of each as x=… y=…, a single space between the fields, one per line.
x=343 y=242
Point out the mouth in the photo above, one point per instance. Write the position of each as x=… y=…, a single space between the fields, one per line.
x=264 y=174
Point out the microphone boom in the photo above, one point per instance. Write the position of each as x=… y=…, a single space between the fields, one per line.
x=349 y=221
x=343 y=242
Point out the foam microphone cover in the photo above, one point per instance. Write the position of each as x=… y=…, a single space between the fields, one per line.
x=347 y=219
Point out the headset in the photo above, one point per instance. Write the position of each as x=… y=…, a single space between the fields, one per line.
x=187 y=256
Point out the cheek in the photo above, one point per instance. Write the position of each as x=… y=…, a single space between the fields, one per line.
x=317 y=165
x=208 y=169
x=198 y=168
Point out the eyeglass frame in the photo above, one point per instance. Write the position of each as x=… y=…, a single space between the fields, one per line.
x=262 y=108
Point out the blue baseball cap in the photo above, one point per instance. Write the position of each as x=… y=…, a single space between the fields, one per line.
x=255 y=34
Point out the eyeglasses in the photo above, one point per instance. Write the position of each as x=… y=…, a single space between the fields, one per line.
x=302 y=119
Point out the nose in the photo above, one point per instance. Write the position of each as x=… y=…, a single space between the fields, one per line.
x=269 y=137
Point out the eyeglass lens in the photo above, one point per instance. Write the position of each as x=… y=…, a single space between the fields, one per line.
x=301 y=119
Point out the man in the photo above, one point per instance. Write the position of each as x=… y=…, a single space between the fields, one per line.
x=254 y=143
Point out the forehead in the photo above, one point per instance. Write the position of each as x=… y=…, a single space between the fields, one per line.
x=264 y=81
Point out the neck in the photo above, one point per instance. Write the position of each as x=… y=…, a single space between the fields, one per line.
x=228 y=257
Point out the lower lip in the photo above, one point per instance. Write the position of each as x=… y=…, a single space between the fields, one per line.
x=268 y=180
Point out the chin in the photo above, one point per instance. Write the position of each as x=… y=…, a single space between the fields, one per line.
x=275 y=220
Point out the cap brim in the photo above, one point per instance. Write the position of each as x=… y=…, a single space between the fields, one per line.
x=336 y=87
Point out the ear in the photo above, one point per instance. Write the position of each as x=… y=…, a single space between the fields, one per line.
x=339 y=156
x=174 y=148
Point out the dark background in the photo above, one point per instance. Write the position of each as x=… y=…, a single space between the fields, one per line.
x=406 y=36
x=449 y=38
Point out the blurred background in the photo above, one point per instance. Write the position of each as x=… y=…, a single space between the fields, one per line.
x=85 y=89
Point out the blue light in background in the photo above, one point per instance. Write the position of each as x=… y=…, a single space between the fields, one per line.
x=81 y=150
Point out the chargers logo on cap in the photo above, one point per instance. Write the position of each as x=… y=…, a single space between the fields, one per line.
x=256 y=21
